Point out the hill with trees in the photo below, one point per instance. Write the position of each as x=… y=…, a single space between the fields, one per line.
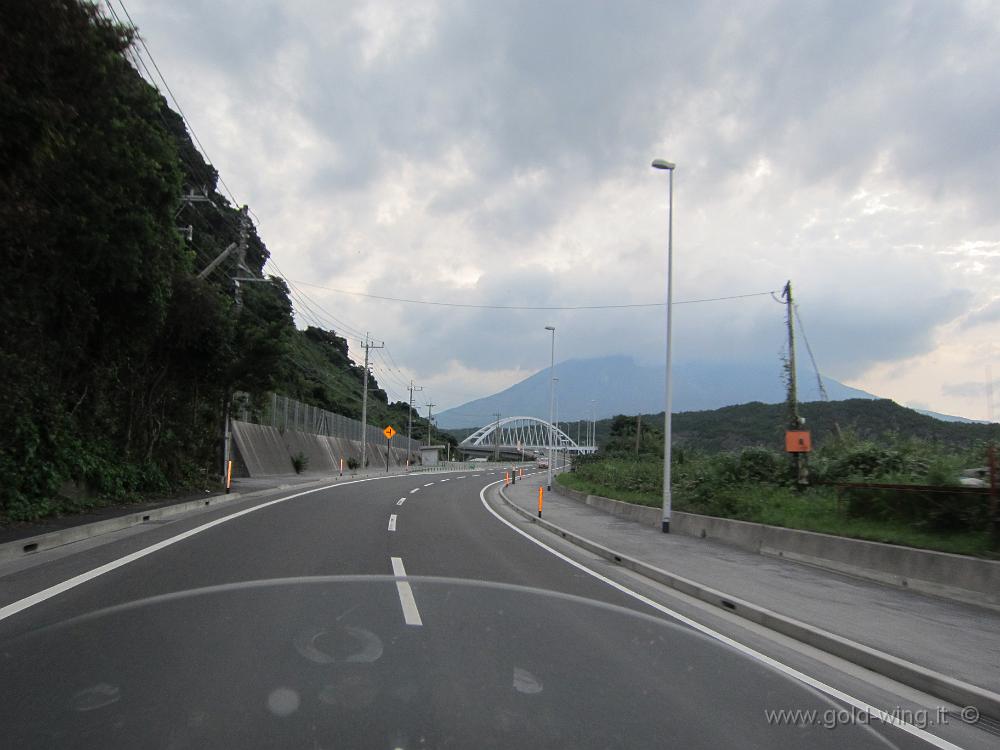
x=763 y=425
x=116 y=357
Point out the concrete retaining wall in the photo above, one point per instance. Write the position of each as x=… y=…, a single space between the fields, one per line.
x=968 y=579
x=267 y=451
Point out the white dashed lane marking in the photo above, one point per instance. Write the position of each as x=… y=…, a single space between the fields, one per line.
x=411 y=615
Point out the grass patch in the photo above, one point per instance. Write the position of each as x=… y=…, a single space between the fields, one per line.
x=776 y=505
x=591 y=487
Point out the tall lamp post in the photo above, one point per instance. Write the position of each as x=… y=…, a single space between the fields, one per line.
x=552 y=384
x=557 y=441
x=669 y=166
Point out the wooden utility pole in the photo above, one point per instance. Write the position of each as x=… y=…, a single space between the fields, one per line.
x=794 y=420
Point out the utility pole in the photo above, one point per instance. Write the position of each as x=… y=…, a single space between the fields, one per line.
x=430 y=424
x=241 y=250
x=794 y=420
x=367 y=344
x=638 y=432
x=241 y=254
x=409 y=421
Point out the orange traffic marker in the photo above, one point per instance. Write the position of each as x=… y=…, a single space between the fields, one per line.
x=541 y=494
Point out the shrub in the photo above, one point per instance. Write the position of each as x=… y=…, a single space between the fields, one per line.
x=299 y=462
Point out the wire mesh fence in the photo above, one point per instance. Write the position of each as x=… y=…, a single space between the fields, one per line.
x=284 y=413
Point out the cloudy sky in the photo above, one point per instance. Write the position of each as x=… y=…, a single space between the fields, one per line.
x=498 y=153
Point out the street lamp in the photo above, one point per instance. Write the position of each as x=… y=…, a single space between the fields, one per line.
x=552 y=383
x=555 y=424
x=669 y=166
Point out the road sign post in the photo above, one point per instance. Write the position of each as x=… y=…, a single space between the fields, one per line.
x=389 y=432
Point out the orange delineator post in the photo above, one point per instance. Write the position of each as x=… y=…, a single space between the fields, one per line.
x=541 y=494
x=229 y=476
x=506 y=479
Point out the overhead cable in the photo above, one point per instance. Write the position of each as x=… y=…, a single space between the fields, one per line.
x=436 y=303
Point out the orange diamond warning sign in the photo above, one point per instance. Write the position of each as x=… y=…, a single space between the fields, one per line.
x=389 y=432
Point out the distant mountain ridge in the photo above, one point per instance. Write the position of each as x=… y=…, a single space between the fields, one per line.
x=618 y=385
x=950 y=417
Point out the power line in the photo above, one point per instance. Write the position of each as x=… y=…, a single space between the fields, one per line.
x=391 y=359
x=390 y=373
x=819 y=378
x=528 y=307
x=341 y=325
x=180 y=111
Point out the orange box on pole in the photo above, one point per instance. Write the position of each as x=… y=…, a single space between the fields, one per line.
x=798 y=441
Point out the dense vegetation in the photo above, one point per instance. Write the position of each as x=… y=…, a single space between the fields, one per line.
x=762 y=425
x=757 y=484
x=116 y=360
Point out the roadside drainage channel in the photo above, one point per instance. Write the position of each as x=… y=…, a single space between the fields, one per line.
x=926 y=680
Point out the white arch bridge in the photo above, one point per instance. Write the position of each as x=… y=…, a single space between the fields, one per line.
x=510 y=435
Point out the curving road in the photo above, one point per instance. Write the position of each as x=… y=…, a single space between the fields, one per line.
x=277 y=649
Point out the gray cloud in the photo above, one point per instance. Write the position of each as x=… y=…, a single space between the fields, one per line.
x=545 y=105
x=968 y=389
x=988 y=313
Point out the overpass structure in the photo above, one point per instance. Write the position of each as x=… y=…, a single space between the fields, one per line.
x=512 y=435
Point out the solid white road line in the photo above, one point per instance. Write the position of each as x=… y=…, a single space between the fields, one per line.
x=41 y=596
x=392 y=522
x=401 y=501
x=411 y=615
x=753 y=654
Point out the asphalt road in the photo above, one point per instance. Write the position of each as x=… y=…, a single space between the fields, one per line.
x=285 y=621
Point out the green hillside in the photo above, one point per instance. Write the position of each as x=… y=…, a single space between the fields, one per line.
x=116 y=358
x=319 y=372
x=763 y=425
